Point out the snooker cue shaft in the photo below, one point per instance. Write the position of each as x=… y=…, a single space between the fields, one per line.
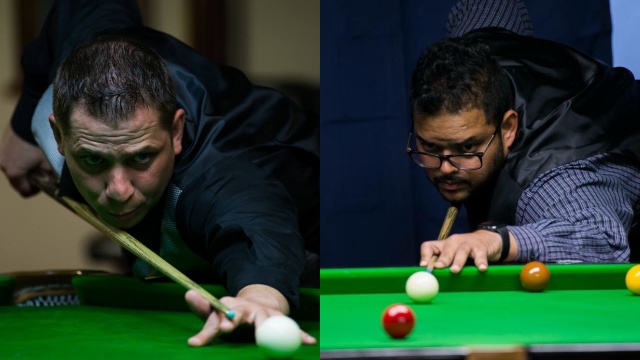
x=127 y=241
x=449 y=219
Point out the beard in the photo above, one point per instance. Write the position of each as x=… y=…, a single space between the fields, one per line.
x=468 y=186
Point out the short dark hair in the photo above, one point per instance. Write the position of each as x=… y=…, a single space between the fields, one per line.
x=458 y=74
x=110 y=78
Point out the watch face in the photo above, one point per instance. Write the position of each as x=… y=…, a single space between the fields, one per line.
x=491 y=225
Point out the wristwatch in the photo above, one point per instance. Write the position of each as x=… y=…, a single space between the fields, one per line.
x=504 y=233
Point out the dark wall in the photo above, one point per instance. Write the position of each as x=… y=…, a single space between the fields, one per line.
x=376 y=206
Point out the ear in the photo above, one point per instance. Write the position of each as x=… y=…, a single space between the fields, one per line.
x=177 y=130
x=508 y=128
x=57 y=133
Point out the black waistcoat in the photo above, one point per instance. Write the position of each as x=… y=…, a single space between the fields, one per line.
x=570 y=107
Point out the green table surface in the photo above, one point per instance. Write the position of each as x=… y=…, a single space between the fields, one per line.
x=584 y=306
x=124 y=318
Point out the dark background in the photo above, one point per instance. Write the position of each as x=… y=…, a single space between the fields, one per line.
x=376 y=206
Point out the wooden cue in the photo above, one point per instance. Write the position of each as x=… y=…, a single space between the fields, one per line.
x=128 y=242
x=449 y=219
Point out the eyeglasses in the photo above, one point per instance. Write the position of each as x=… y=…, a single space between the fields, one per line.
x=465 y=161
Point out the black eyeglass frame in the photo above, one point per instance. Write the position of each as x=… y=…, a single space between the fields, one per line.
x=480 y=155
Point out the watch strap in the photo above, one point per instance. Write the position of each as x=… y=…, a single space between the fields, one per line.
x=504 y=234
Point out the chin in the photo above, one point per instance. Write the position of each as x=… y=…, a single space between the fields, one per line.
x=121 y=224
x=457 y=197
x=129 y=224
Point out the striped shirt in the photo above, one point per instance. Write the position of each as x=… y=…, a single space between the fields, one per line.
x=579 y=212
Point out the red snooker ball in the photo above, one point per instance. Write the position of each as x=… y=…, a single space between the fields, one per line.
x=535 y=276
x=398 y=320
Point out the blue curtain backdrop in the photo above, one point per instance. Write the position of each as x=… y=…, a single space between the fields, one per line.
x=376 y=206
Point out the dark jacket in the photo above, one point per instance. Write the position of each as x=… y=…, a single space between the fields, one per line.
x=570 y=107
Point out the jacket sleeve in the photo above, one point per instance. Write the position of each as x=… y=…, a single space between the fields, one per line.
x=579 y=212
x=242 y=220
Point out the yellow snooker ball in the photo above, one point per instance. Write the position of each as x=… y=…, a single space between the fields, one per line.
x=633 y=280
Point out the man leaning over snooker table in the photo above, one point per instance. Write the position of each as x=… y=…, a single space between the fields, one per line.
x=215 y=174
x=538 y=141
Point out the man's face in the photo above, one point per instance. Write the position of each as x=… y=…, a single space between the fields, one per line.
x=121 y=171
x=450 y=134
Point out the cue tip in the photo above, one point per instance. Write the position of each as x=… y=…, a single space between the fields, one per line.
x=431 y=264
x=230 y=314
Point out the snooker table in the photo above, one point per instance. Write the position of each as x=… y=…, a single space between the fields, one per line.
x=585 y=312
x=121 y=318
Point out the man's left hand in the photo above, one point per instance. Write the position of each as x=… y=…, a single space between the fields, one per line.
x=252 y=306
x=481 y=245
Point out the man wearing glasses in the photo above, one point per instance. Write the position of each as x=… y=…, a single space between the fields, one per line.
x=540 y=143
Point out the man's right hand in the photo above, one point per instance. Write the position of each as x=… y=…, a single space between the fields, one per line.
x=19 y=158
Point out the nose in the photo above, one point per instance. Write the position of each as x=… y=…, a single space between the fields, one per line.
x=447 y=168
x=119 y=186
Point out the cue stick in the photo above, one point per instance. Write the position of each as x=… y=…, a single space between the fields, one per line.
x=127 y=241
x=449 y=219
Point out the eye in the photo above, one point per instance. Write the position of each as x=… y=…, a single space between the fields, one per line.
x=468 y=148
x=142 y=158
x=141 y=161
x=93 y=160
x=429 y=147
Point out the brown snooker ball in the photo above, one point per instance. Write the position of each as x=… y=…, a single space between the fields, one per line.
x=534 y=276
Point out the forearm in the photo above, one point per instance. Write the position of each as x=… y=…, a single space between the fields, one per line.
x=241 y=265
x=562 y=241
x=580 y=212
x=246 y=226
x=22 y=114
x=68 y=25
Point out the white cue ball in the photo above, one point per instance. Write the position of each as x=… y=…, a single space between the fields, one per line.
x=278 y=337
x=422 y=287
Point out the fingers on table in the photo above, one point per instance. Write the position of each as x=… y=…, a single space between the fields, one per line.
x=480 y=258
x=427 y=250
x=209 y=331
x=307 y=339
x=216 y=323
x=444 y=254
x=198 y=304
x=454 y=253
